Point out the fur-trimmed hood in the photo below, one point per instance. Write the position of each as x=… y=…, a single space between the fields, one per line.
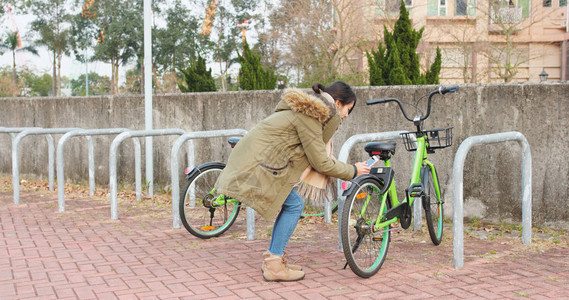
x=319 y=106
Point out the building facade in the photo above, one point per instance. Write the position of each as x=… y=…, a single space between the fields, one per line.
x=481 y=41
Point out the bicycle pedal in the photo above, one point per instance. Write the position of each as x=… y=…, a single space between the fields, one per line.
x=377 y=239
x=416 y=190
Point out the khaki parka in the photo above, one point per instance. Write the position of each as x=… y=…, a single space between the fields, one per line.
x=266 y=164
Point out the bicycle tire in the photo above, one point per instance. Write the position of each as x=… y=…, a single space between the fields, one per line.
x=365 y=257
x=433 y=206
x=196 y=217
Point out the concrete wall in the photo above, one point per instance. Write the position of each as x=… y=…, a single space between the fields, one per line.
x=492 y=187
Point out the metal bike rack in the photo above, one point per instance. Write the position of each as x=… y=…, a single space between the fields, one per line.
x=51 y=150
x=91 y=152
x=113 y=160
x=457 y=188
x=12 y=131
x=174 y=167
x=343 y=157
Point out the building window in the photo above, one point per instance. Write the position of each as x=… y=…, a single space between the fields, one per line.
x=546 y=3
x=465 y=7
x=509 y=11
x=391 y=7
x=436 y=7
x=562 y=3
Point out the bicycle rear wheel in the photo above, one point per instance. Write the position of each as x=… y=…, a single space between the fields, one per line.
x=433 y=206
x=365 y=249
x=204 y=212
x=317 y=209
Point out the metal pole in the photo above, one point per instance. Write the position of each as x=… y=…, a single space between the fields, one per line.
x=457 y=188
x=86 y=73
x=148 y=94
x=250 y=224
x=91 y=157
x=50 y=161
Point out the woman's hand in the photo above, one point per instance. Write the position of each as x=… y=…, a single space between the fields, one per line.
x=362 y=168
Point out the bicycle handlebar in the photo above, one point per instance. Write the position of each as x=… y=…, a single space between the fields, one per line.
x=441 y=90
x=449 y=89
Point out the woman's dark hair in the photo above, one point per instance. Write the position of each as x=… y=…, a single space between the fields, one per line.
x=339 y=91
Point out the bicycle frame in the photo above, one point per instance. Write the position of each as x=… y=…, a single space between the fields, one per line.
x=419 y=163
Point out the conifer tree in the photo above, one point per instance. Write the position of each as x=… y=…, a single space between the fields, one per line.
x=396 y=73
x=398 y=62
x=376 y=65
x=432 y=76
x=252 y=75
x=197 y=78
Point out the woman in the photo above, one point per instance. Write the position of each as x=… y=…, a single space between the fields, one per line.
x=267 y=163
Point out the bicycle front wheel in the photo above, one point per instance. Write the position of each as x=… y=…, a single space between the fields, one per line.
x=433 y=206
x=365 y=247
x=204 y=212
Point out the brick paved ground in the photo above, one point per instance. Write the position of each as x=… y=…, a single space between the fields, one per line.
x=82 y=254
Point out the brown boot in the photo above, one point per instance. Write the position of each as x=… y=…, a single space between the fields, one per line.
x=274 y=269
x=267 y=254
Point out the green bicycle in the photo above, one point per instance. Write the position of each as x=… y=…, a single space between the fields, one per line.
x=371 y=205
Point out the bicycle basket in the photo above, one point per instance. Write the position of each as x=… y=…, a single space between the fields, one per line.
x=438 y=139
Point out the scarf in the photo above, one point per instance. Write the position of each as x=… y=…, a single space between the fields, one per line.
x=315 y=187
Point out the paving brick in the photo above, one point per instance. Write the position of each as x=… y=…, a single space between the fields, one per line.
x=83 y=254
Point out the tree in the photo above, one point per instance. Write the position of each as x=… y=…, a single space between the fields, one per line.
x=432 y=76
x=52 y=26
x=228 y=16
x=376 y=62
x=468 y=41
x=7 y=86
x=197 y=78
x=36 y=85
x=82 y=35
x=507 y=19
x=398 y=63
x=176 y=44
x=98 y=85
x=179 y=41
x=120 y=33
x=133 y=84
x=12 y=43
x=320 y=47
x=306 y=38
x=252 y=75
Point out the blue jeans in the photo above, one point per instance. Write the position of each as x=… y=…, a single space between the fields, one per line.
x=286 y=222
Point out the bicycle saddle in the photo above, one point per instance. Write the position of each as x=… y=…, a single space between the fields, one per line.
x=377 y=148
x=233 y=141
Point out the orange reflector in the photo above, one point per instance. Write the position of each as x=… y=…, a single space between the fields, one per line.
x=208 y=228
x=361 y=195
